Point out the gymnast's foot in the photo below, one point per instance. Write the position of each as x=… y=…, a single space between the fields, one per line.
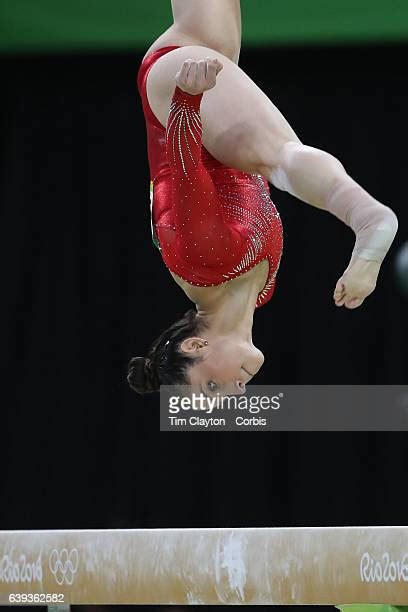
x=357 y=282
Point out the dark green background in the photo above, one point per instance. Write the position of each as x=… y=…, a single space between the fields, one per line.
x=47 y=25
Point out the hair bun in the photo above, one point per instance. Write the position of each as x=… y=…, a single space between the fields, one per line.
x=142 y=376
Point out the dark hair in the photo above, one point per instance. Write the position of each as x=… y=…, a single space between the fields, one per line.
x=165 y=363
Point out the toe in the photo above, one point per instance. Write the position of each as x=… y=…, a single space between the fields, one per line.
x=339 y=292
x=340 y=299
x=354 y=303
x=339 y=289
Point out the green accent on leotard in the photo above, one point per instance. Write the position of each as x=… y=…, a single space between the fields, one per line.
x=153 y=229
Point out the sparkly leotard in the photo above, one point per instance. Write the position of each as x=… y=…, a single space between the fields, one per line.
x=211 y=223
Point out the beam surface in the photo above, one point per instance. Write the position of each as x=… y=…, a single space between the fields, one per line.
x=328 y=565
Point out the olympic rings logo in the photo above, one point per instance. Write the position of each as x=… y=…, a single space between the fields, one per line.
x=64 y=565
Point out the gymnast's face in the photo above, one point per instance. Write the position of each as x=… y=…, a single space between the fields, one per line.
x=227 y=364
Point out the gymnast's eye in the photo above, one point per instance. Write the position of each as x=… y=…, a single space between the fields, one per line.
x=212 y=386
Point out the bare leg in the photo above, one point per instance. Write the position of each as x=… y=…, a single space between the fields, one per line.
x=241 y=125
x=318 y=178
x=245 y=130
x=215 y=24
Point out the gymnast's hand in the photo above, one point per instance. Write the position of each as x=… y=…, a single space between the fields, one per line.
x=195 y=76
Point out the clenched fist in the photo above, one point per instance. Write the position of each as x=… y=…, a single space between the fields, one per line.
x=195 y=76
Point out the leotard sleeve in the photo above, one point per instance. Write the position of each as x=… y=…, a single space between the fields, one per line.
x=202 y=236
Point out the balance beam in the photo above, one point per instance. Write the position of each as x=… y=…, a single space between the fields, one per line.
x=313 y=565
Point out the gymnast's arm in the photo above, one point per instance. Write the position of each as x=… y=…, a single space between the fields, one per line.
x=202 y=235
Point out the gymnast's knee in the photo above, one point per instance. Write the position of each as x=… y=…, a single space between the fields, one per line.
x=274 y=160
x=294 y=159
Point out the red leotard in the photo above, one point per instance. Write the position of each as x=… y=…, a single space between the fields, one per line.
x=211 y=223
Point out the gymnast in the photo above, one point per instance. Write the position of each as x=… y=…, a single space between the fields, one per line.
x=215 y=140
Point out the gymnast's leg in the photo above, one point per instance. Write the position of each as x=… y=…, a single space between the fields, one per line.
x=245 y=130
x=318 y=178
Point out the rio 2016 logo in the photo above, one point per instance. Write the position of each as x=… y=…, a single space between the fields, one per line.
x=20 y=569
x=385 y=570
x=64 y=565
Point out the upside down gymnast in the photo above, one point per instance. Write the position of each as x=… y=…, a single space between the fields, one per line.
x=214 y=142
